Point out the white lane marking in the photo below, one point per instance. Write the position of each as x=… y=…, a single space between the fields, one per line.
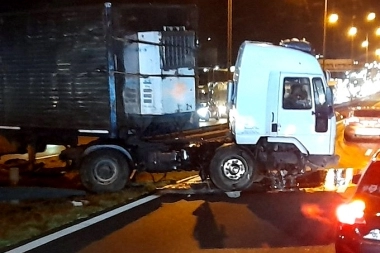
x=46 y=239
x=46 y=156
x=187 y=179
x=368 y=152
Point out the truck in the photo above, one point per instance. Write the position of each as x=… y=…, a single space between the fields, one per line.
x=126 y=75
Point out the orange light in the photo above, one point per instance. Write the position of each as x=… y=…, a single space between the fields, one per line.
x=351 y=213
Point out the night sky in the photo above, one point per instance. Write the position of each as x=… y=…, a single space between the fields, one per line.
x=264 y=20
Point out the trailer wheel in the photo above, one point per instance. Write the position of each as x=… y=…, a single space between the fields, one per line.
x=231 y=169
x=104 y=170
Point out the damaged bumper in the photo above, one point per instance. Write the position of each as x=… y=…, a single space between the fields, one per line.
x=322 y=161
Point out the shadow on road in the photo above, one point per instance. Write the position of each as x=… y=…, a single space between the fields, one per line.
x=307 y=219
x=266 y=220
x=207 y=232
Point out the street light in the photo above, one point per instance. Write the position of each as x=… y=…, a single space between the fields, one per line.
x=352 y=32
x=377 y=52
x=371 y=16
x=333 y=18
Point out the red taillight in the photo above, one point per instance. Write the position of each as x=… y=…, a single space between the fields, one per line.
x=351 y=213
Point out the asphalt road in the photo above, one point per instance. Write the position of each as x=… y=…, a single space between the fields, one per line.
x=255 y=222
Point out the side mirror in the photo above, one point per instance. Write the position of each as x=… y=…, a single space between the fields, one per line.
x=327 y=75
x=330 y=102
x=329 y=96
x=230 y=93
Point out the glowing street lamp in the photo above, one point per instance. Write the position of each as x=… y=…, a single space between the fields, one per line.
x=333 y=18
x=371 y=16
x=352 y=32
x=365 y=43
x=377 y=53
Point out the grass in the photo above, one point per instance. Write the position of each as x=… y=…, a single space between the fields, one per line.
x=26 y=220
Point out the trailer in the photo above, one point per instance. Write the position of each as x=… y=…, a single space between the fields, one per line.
x=127 y=75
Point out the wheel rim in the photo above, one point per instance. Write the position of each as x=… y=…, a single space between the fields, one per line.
x=234 y=169
x=105 y=172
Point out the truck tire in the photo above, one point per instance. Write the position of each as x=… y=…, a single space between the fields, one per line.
x=104 y=170
x=232 y=169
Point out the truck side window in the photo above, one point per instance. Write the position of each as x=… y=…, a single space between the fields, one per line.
x=296 y=93
x=319 y=92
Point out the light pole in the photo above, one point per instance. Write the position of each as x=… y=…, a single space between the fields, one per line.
x=324 y=34
x=352 y=32
x=229 y=33
x=333 y=18
x=365 y=44
x=370 y=17
x=377 y=33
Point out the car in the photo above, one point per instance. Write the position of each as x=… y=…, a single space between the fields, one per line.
x=362 y=124
x=207 y=111
x=358 y=227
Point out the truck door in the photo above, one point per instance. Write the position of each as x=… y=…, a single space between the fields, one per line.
x=273 y=103
x=325 y=121
x=298 y=119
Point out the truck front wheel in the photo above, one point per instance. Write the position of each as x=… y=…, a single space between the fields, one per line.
x=104 y=170
x=231 y=169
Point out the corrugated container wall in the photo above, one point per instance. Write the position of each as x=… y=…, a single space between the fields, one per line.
x=54 y=68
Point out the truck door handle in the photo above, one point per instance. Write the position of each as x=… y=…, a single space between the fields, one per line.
x=272 y=116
